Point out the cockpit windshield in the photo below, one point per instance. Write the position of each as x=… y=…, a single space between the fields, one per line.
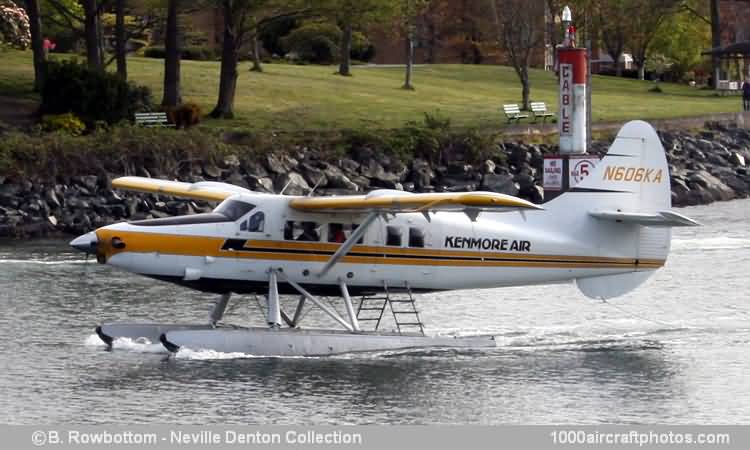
x=234 y=209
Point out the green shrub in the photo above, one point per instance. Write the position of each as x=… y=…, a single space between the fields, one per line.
x=92 y=95
x=436 y=121
x=67 y=122
x=477 y=146
x=273 y=32
x=154 y=51
x=414 y=140
x=118 y=150
x=194 y=53
x=314 y=42
x=362 y=49
x=318 y=43
x=200 y=53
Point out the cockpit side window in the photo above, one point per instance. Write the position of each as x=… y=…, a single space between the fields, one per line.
x=234 y=209
x=256 y=222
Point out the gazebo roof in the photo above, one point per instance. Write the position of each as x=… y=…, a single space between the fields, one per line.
x=729 y=51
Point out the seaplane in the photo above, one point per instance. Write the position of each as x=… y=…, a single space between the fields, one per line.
x=608 y=234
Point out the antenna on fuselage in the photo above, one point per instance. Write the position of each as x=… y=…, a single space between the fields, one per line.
x=312 y=191
x=285 y=186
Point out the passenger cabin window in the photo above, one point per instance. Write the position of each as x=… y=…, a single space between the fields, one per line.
x=339 y=232
x=301 y=231
x=234 y=209
x=336 y=233
x=394 y=236
x=255 y=223
x=416 y=237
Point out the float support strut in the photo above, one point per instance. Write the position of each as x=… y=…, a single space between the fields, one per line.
x=217 y=312
x=274 y=310
x=332 y=313
x=349 y=307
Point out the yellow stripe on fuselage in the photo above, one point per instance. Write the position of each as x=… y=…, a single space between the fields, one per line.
x=172 y=244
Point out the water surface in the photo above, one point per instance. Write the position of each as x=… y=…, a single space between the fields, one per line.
x=674 y=351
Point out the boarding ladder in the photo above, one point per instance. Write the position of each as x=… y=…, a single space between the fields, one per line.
x=401 y=303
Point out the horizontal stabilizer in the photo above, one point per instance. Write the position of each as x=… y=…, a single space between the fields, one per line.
x=658 y=219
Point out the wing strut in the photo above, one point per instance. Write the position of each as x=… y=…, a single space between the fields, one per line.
x=349 y=243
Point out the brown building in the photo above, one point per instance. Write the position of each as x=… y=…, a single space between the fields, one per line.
x=455 y=32
x=448 y=32
x=735 y=21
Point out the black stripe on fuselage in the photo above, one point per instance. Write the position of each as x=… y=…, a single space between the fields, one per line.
x=598 y=191
x=238 y=245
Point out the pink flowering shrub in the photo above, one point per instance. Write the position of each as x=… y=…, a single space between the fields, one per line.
x=14 y=26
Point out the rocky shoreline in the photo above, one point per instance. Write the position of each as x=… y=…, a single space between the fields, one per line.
x=709 y=166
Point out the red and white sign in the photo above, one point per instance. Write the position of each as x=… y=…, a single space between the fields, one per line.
x=572 y=124
x=566 y=101
x=580 y=168
x=552 y=178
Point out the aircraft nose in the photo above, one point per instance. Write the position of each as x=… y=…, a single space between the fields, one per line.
x=86 y=242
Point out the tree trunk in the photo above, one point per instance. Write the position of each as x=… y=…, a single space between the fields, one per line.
x=172 y=57
x=616 y=57
x=409 y=62
x=37 y=44
x=257 y=65
x=642 y=70
x=100 y=36
x=432 y=43
x=525 y=88
x=120 y=41
x=716 y=40
x=228 y=76
x=346 y=50
x=91 y=34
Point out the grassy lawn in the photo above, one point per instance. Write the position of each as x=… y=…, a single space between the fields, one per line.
x=289 y=97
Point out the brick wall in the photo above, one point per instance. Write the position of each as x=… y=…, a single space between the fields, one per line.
x=735 y=21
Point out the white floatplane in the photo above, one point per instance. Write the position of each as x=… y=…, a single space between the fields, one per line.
x=608 y=234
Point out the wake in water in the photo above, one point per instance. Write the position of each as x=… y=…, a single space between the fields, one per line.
x=712 y=243
x=44 y=262
x=137 y=346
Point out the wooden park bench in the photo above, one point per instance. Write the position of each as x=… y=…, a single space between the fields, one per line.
x=727 y=87
x=152 y=119
x=539 y=109
x=513 y=112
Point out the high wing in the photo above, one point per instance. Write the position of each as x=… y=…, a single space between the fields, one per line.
x=388 y=201
x=204 y=190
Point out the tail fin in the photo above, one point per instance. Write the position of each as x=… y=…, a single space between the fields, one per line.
x=635 y=164
x=627 y=199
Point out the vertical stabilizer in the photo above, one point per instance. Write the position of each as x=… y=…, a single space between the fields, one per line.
x=627 y=196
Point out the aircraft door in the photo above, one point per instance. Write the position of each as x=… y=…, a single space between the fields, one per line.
x=254 y=224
